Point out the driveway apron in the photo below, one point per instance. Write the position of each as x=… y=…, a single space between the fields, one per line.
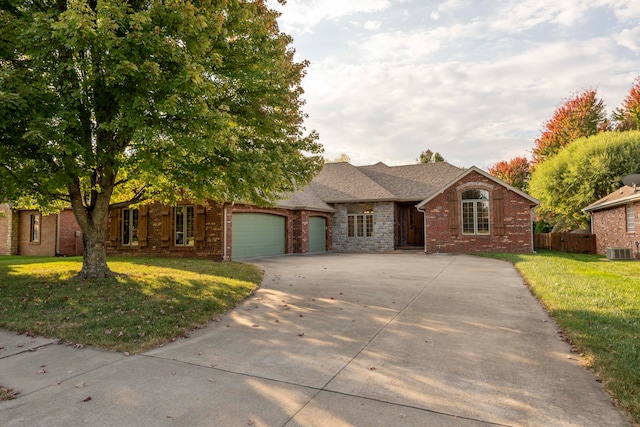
x=401 y=339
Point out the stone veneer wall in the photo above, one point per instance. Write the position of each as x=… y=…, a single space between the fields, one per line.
x=383 y=230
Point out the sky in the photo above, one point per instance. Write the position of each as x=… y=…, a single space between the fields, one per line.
x=472 y=80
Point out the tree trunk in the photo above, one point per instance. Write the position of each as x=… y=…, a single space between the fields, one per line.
x=93 y=221
x=94 y=259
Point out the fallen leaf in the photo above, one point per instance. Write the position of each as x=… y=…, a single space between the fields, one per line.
x=255 y=325
x=300 y=315
x=126 y=353
x=372 y=368
x=277 y=321
x=42 y=371
x=79 y=385
x=86 y=399
x=301 y=335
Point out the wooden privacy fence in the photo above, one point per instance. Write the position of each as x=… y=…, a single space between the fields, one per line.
x=566 y=242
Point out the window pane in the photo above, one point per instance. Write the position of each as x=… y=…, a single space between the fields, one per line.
x=468 y=224
x=350 y=226
x=360 y=225
x=369 y=219
x=475 y=195
x=35 y=228
x=631 y=220
x=180 y=225
x=483 y=217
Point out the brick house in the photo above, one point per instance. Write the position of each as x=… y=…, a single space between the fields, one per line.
x=614 y=219
x=28 y=232
x=435 y=207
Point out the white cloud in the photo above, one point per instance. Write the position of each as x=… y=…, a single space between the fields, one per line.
x=475 y=84
x=372 y=25
x=302 y=16
x=630 y=38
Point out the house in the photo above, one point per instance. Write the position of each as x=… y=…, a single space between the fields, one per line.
x=28 y=232
x=435 y=207
x=613 y=220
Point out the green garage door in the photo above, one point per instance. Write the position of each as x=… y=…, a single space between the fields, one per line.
x=317 y=234
x=257 y=234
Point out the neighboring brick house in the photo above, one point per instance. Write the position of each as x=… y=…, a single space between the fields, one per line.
x=614 y=220
x=28 y=232
x=435 y=207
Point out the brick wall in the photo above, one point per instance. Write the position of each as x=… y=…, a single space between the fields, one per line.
x=46 y=245
x=610 y=228
x=69 y=234
x=210 y=247
x=517 y=236
x=383 y=238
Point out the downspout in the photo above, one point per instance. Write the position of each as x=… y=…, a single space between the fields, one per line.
x=533 y=215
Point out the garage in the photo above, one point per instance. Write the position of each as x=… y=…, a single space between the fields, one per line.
x=317 y=234
x=257 y=234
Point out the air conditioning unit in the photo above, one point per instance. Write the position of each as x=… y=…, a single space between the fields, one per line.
x=619 y=253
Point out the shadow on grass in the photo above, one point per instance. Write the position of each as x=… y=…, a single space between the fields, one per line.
x=140 y=309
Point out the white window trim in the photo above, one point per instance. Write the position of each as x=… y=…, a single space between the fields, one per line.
x=631 y=218
x=365 y=231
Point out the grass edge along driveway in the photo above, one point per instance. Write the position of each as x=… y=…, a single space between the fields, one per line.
x=151 y=300
x=596 y=304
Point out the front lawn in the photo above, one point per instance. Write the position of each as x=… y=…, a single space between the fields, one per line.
x=150 y=302
x=596 y=302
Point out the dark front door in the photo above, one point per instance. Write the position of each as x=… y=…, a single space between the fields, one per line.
x=410 y=226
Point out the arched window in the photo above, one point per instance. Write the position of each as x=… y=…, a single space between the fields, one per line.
x=475 y=212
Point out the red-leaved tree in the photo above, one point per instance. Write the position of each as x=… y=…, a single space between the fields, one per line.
x=515 y=172
x=628 y=117
x=580 y=116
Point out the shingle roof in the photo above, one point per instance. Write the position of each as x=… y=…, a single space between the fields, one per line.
x=304 y=199
x=343 y=182
x=619 y=197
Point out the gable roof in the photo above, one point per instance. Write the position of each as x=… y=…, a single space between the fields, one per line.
x=619 y=197
x=532 y=200
x=304 y=199
x=344 y=183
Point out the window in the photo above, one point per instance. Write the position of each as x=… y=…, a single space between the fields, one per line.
x=130 y=227
x=185 y=226
x=475 y=212
x=360 y=225
x=34 y=228
x=631 y=219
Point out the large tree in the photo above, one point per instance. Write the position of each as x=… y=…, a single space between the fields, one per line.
x=627 y=117
x=515 y=172
x=583 y=172
x=580 y=116
x=112 y=102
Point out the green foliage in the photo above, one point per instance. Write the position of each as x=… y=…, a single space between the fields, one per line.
x=203 y=97
x=429 y=156
x=582 y=173
x=148 y=100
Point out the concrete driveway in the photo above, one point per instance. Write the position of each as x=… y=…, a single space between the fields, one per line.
x=331 y=340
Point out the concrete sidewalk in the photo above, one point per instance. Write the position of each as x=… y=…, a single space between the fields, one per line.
x=331 y=340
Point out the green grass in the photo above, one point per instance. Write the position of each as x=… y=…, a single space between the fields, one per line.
x=151 y=300
x=596 y=302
